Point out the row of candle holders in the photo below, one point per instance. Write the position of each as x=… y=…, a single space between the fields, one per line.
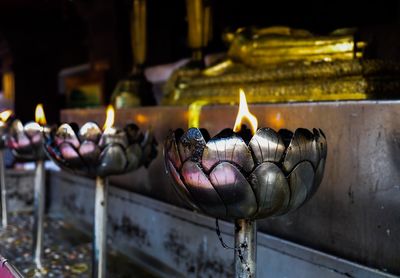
x=238 y=175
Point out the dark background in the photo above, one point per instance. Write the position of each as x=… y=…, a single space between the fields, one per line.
x=39 y=38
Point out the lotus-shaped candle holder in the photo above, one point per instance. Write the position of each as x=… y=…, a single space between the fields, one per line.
x=225 y=177
x=26 y=141
x=94 y=153
x=91 y=152
x=242 y=177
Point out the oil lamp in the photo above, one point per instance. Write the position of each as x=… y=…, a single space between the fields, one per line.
x=245 y=174
x=4 y=125
x=97 y=153
x=26 y=143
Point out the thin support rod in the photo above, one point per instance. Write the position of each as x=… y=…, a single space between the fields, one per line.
x=245 y=248
x=39 y=201
x=100 y=228
x=4 y=212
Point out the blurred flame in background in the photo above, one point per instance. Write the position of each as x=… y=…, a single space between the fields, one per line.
x=5 y=115
x=110 y=115
x=40 y=118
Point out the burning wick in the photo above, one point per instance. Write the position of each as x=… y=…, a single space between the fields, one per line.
x=108 y=124
x=111 y=134
x=245 y=115
x=40 y=118
x=32 y=129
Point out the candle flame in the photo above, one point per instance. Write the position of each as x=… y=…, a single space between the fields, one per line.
x=40 y=118
x=109 y=118
x=244 y=114
x=5 y=115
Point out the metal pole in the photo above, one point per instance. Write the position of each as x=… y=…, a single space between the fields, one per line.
x=245 y=248
x=100 y=228
x=39 y=199
x=4 y=212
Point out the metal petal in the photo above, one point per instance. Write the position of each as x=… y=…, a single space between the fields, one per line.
x=18 y=139
x=113 y=136
x=234 y=190
x=179 y=186
x=37 y=139
x=112 y=161
x=65 y=133
x=271 y=188
x=301 y=180
x=90 y=132
x=34 y=132
x=22 y=144
x=320 y=141
x=267 y=145
x=171 y=150
x=55 y=155
x=134 y=156
x=301 y=148
x=16 y=127
x=232 y=149
x=202 y=190
x=191 y=145
x=12 y=143
x=70 y=155
x=23 y=149
x=132 y=132
x=89 y=152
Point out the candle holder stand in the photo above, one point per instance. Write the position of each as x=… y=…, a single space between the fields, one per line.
x=97 y=154
x=240 y=177
x=26 y=143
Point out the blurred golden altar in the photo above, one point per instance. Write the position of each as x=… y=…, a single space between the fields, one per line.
x=281 y=64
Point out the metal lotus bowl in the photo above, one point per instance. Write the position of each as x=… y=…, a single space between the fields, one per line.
x=26 y=141
x=239 y=176
x=91 y=152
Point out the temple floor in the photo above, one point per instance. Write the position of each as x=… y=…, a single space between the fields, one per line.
x=66 y=251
